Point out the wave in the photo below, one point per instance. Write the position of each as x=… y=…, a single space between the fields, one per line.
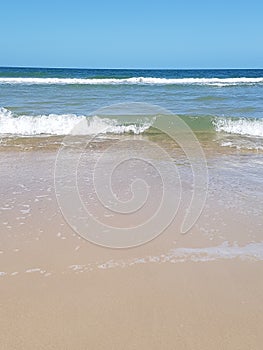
x=67 y=124
x=63 y=124
x=242 y=126
x=225 y=251
x=133 y=81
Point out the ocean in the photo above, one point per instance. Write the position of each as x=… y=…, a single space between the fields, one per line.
x=45 y=101
x=133 y=150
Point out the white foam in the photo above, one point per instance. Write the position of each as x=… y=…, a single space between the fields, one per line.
x=246 y=127
x=14 y=273
x=62 y=124
x=133 y=81
x=77 y=267
x=33 y=270
x=240 y=144
x=225 y=251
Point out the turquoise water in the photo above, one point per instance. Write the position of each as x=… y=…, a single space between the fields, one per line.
x=230 y=101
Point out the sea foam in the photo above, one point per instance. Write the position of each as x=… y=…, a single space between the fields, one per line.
x=68 y=124
x=63 y=124
x=242 y=126
x=132 y=81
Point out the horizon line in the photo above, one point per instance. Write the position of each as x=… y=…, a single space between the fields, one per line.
x=101 y=68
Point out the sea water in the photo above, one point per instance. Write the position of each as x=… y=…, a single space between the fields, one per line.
x=42 y=101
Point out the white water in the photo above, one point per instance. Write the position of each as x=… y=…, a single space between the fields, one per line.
x=225 y=251
x=63 y=124
x=70 y=124
x=252 y=251
x=246 y=127
x=134 y=81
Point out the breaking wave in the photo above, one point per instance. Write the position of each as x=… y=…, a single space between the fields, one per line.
x=132 y=81
x=242 y=126
x=234 y=132
x=63 y=124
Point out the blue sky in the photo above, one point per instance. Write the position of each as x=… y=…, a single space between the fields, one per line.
x=132 y=34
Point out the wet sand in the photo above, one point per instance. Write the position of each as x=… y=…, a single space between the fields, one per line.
x=202 y=290
x=214 y=305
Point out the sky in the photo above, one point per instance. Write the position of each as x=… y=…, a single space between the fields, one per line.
x=132 y=34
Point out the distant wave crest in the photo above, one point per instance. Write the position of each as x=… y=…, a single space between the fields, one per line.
x=132 y=81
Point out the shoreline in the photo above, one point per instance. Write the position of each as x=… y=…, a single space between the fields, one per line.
x=60 y=291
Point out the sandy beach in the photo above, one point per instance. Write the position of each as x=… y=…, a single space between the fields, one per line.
x=131 y=175
x=191 y=305
x=202 y=290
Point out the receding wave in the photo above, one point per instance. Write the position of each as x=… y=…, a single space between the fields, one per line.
x=132 y=81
